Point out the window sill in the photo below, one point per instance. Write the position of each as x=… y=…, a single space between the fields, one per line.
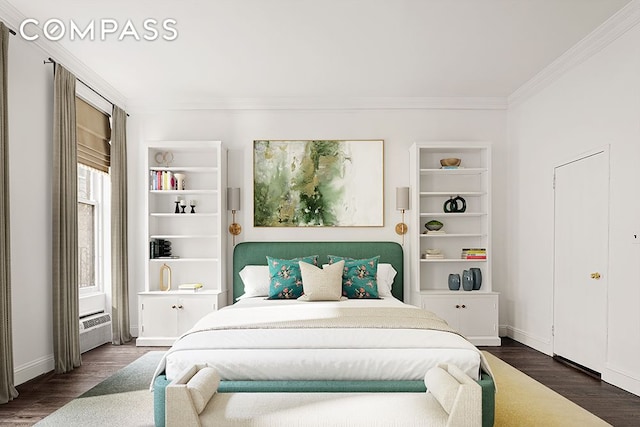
x=92 y=302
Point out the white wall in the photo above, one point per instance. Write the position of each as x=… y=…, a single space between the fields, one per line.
x=595 y=104
x=238 y=128
x=30 y=123
x=30 y=156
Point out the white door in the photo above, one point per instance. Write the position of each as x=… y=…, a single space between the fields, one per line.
x=581 y=248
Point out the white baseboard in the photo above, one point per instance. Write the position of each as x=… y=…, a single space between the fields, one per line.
x=502 y=331
x=624 y=380
x=612 y=375
x=30 y=370
x=527 y=339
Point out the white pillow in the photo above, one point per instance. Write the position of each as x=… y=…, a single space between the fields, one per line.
x=256 y=281
x=321 y=284
x=385 y=276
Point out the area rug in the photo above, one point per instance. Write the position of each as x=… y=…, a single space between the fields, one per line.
x=522 y=401
x=124 y=399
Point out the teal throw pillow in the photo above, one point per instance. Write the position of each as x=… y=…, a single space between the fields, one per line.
x=285 y=279
x=358 y=277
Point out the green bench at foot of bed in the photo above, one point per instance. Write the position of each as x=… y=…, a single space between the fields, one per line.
x=486 y=383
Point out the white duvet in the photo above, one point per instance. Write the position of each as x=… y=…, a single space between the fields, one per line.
x=317 y=353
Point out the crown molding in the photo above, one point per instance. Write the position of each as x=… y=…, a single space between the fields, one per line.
x=13 y=18
x=609 y=31
x=306 y=103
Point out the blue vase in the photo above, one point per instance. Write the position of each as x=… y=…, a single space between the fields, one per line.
x=477 y=278
x=454 y=281
x=467 y=280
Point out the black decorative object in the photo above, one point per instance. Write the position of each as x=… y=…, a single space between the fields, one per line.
x=160 y=248
x=192 y=203
x=177 y=202
x=183 y=205
x=455 y=204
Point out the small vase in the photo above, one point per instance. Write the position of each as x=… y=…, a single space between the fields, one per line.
x=477 y=278
x=454 y=281
x=467 y=280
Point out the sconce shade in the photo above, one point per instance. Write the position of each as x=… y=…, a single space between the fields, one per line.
x=402 y=198
x=233 y=199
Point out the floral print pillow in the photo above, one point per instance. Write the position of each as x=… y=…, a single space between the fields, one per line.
x=358 y=277
x=285 y=279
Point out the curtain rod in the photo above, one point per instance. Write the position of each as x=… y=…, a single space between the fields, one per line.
x=52 y=61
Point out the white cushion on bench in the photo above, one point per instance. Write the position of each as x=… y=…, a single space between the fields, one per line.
x=202 y=387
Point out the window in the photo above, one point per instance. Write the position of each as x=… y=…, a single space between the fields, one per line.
x=93 y=131
x=93 y=229
x=87 y=244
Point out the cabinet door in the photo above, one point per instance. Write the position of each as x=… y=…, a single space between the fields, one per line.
x=158 y=316
x=193 y=308
x=445 y=306
x=479 y=315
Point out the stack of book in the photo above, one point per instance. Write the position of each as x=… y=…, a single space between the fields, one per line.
x=160 y=248
x=433 y=254
x=190 y=286
x=474 y=253
x=162 y=180
x=431 y=232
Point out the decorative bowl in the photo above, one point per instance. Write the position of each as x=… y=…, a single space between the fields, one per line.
x=451 y=161
x=433 y=225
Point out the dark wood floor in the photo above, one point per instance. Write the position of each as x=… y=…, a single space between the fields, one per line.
x=46 y=393
x=614 y=405
x=43 y=395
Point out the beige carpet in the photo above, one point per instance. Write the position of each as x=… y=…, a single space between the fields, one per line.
x=125 y=400
x=522 y=401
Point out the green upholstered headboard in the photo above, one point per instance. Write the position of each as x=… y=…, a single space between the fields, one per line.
x=255 y=253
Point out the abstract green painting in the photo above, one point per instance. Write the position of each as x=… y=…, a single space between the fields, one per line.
x=314 y=183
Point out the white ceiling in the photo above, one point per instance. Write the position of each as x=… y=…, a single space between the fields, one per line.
x=231 y=49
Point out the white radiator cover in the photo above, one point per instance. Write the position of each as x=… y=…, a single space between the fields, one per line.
x=95 y=330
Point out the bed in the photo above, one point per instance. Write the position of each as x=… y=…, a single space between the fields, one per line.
x=261 y=345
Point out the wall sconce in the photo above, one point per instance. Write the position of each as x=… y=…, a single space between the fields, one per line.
x=402 y=204
x=233 y=205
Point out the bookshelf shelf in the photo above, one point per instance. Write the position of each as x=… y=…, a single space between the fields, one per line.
x=433 y=187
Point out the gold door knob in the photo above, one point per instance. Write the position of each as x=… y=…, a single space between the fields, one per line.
x=595 y=276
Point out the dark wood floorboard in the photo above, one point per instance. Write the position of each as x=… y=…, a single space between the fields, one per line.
x=46 y=393
x=43 y=395
x=614 y=405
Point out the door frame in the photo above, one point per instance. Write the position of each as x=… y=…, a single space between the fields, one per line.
x=605 y=149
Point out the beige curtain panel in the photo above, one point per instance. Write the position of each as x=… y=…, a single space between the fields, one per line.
x=93 y=135
x=66 y=326
x=7 y=390
x=119 y=231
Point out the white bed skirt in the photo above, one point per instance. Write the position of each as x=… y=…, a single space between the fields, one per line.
x=321 y=354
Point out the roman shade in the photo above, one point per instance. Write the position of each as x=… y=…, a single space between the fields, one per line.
x=93 y=135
